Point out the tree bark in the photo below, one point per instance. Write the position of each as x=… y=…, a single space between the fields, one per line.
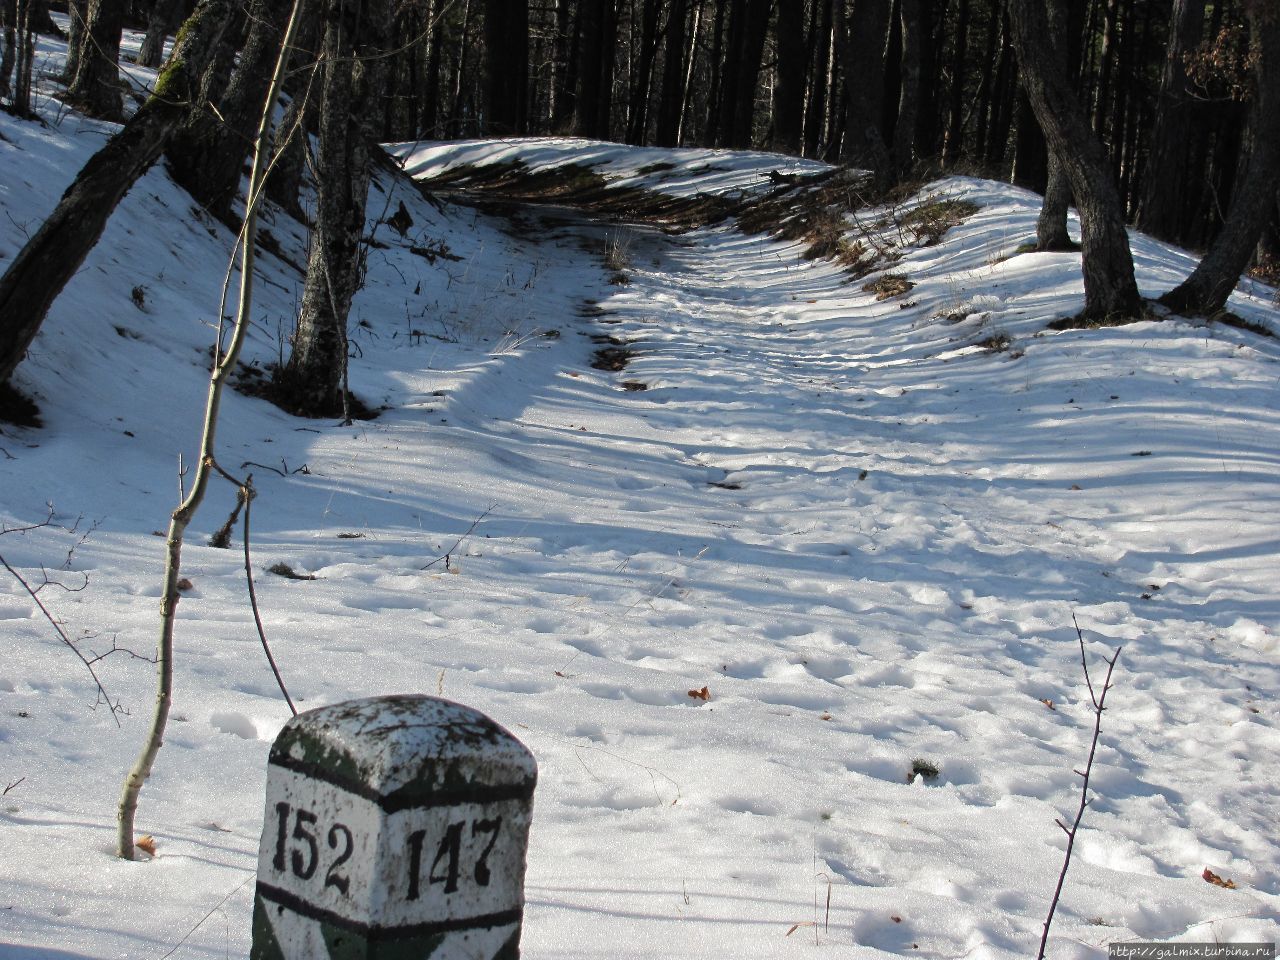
x=793 y=67
x=54 y=254
x=1205 y=292
x=506 y=33
x=207 y=154
x=1164 y=195
x=9 y=17
x=671 y=97
x=954 y=145
x=77 y=10
x=637 y=127
x=861 y=41
x=356 y=32
x=1110 y=288
x=904 y=131
x=820 y=79
x=160 y=23
x=95 y=89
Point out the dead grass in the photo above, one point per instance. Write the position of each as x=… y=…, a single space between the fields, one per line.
x=888 y=285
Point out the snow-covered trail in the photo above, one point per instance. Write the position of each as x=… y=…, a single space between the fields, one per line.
x=861 y=532
x=869 y=555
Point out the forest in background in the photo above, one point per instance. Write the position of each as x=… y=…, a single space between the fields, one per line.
x=1164 y=114
x=916 y=84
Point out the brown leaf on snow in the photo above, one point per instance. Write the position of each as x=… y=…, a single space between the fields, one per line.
x=1048 y=703
x=147 y=844
x=704 y=694
x=1216 y=880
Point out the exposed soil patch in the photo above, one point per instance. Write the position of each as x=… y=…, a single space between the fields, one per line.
x=612 y=358
x=17 y=408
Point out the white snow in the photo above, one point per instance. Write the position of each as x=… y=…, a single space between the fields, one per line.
x=862 y=532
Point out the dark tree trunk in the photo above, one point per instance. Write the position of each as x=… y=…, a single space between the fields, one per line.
x=569 y=52
x=357 y=32
x=160 y=23
x=1109 y=285
x=1031 y=154
x=289 y=146
x=9 y=16
x=904 y=131
x=596 y=22
x=932 y=17
x=731 y=63
x=506 y=38
x=1051 y=225
x=990 y=57
x=429 y=108
x=1002 y=101
x=954 y=146
x=861 y=40
x=711 y=133
x=23 y=58
x=671 y=98
x=207 y=154
x=95 y=89
x=77 y=10
x=1206 y=290
x=793 y=66
x=754 y=28
x=1164 y=194
x=51 y=257
x=819 y=79
x=638 y=126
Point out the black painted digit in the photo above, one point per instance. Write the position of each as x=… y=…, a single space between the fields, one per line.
x=450 y=846
x=282 y=819
x=415 y=862
x=305 y=871
x=482 y=865
x=333 y=878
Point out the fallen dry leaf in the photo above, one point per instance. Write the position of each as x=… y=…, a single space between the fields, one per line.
x=147 y=844
x=1216 y=880
x=1048 y=703
x=704 y=694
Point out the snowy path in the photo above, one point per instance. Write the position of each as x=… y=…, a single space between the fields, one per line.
x=868 y=558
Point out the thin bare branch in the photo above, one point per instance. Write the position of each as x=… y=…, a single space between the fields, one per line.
x=1099 y=704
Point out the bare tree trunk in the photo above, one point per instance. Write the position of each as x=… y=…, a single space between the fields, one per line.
x=1206 y=290
x=954 y=145
x=793 y=67
x=207 y=154
x=506 y=91
x=53 y=255
x=861 y=41
x=671 y=96
x=160 y=23
x=289 y=149
x=21 y=104
x=96 y=87
x=904 y=132
x=1110 y=288
x=9 y=16
x=641 y=92
x=311 y=383
x=77 y=10
x=1164 y=197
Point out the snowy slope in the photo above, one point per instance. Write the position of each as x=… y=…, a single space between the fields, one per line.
x=864 y=533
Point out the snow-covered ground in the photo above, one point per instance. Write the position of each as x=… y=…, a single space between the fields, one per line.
x=862 y=532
